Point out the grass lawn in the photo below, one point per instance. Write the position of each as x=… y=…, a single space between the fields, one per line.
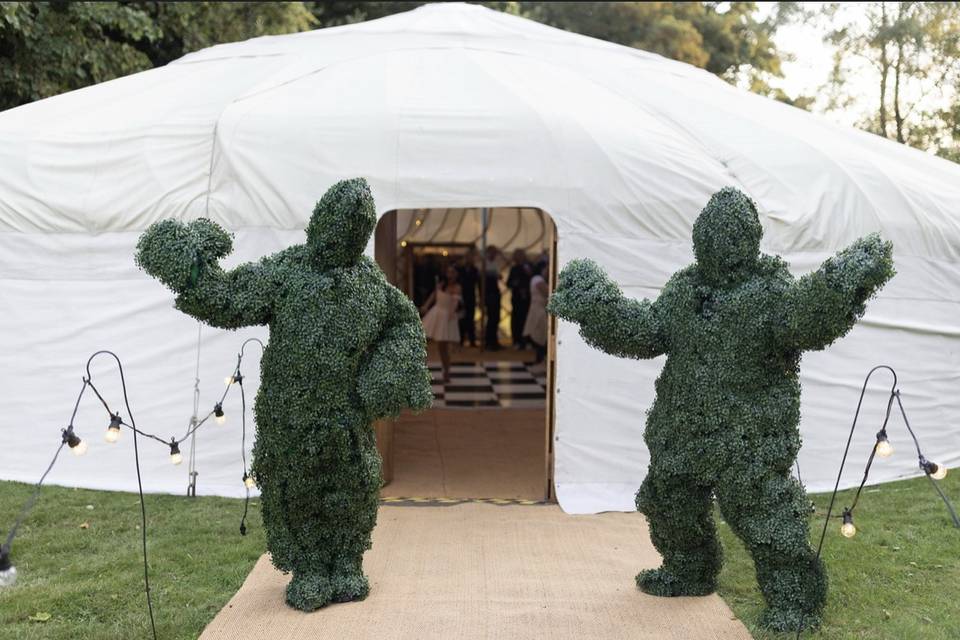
x=898 y=579
x=90 y=580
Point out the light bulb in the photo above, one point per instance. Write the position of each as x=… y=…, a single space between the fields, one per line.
x=884 y=448
x=8 y=577
x=248 y=481
x=8 y=572
x=221 y=419
x=847 y=529
x=219 y=416
x=228 y=380
x=113 y=430
x=78 y=446
x=175 y=456
x=403 y=243
x=932 y=469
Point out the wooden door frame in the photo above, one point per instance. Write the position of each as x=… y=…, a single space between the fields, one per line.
x=385 y=254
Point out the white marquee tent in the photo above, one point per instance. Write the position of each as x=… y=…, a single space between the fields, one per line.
x=446 y=106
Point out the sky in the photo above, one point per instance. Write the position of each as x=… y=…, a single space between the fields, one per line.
x=813 y=59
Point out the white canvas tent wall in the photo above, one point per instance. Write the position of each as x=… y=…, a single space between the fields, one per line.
x=447 y=106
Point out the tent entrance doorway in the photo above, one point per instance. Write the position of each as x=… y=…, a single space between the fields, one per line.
x=490 y=352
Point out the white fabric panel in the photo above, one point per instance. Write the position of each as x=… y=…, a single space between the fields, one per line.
x=448 y=106
x=88 y=295
x=911 y=326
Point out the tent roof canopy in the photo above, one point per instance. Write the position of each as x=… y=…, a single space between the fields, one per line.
x=455 y=105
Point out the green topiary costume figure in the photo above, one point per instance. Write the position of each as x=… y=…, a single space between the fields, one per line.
x=725 y=420
x=346 y=348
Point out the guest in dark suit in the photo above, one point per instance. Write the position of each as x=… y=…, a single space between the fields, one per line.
x=491 y=297
x=469 y=283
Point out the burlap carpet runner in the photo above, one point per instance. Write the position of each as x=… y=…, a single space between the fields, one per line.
x=485 y=571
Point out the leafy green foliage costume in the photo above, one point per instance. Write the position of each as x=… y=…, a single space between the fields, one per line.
x=346 y=348
x=725 y=420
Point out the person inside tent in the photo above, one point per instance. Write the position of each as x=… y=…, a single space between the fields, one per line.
x=440 y=317
x=493 y=263
x=518 y=281
x=535 y=327
x=469 y=278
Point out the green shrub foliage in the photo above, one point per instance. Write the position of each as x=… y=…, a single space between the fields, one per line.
x=345 y=349
x=725 y=420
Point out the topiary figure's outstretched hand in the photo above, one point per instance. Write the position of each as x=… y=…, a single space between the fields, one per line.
x=581 y=287
x=862 y=268
x=608 y=321
x=824 y=305
x=184 y=258
x=175 y=253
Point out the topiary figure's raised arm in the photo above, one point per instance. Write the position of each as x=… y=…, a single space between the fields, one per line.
x=608 y=321
x=395 y=374
x=824 y=305
x=184 y=258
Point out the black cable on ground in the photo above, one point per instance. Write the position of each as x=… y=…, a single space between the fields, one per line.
x=136 y=458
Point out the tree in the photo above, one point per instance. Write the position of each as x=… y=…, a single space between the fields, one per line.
x=724 y=42
x=912 y=49
x=51 y=47
x=727 y=39
x=48 y=48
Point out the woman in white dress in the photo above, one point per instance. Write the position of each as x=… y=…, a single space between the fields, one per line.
x=535 y=328
x=441 y=321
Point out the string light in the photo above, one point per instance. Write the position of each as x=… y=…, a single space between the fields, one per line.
x=932 y=469
x=883 y=447
x=847 y=528
x=403 y=243
x=69 y=438
x=77 y=446
x=8 y=572
x=419 y=222
x=113 y=431
x=175 y=456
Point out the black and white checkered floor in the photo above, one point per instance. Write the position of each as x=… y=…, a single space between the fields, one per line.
x=501 y=384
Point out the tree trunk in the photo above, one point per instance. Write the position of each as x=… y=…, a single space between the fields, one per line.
x=897 y=115
x=884 y=72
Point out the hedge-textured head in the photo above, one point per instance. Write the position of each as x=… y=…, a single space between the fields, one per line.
x=726 y=235
x=341 y=224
